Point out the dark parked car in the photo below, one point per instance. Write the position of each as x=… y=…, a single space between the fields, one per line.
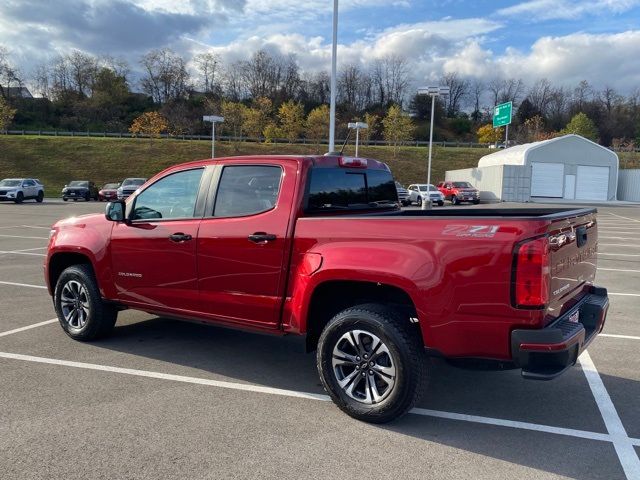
x=80 y=189
x=129 y=185
x=109 y=192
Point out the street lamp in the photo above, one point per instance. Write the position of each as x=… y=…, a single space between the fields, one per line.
x=433 y=92
x=334 y=55
x=357 y=126
x=213 y=119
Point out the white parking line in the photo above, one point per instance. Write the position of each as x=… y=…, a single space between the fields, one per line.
x=18 y=236
x=313 y=396
x=619 y=254
x=624 y=294
x=21 y=285
x=612 y=245
x=18 y=252
x=618 y=270
x=612 y=335
x=36 y=226
x=626 y=218
x=616 y=238
x=28 y=327
x=618 y=435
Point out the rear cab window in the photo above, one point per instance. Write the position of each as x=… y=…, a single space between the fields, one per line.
x=340 y=189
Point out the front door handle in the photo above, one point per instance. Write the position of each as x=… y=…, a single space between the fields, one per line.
x=262 y=237
x=180 y=237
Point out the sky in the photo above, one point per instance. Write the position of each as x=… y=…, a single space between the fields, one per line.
x=564 y=41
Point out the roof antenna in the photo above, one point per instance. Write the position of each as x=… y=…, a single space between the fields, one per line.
x=340 y=153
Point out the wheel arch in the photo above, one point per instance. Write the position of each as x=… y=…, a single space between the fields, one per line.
x=60 y=261
x=332 y=296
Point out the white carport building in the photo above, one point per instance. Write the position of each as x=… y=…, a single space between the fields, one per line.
x=563 y=168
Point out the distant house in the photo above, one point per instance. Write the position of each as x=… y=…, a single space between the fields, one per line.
x=18 y=92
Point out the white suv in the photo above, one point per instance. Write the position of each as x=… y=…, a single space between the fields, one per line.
x=19 y=189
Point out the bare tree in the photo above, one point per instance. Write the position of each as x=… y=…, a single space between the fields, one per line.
x=391 y=79
x=509 y=90
x=458 y=90
x=9 y=75
x=582 y=94
x=166 y=77
x=233 y=85
x=477 y=89
x=82 y=69
x=540 y=95
x=207 y=64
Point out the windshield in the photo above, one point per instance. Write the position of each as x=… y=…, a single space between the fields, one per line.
x=462 y=185
x=10 y=183
x=132 y=181
x=111 y=186
x=78 y=183
x=428 y=188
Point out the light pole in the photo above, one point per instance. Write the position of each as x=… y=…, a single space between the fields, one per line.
x=433 y=92
x=357 y=126
x=334 y=55
x=213 y=119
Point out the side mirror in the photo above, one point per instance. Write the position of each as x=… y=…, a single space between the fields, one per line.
x=115 y=211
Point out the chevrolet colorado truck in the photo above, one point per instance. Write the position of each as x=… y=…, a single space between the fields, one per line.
x=317 y=246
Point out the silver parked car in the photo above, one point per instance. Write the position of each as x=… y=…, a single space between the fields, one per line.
x=19 y=189
x=403 y=194
x=419 y=191
x=129 y=186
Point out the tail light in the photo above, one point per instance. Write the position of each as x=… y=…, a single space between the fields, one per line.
x=351 y=162
x=532 y=274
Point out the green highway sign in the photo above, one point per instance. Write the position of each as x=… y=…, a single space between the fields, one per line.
x=502 y=114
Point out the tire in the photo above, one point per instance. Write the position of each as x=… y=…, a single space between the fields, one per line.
x=95 y=318
x=419 y=201
x=454 y=200
x=19 y=197
x=64 y=199
x=403 y=355
x=75 y=199
x=87 y=197
x=441 y=203
x=40 y=196
x=476 y=202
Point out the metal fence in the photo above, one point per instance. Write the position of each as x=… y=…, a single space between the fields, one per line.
x=232 y=139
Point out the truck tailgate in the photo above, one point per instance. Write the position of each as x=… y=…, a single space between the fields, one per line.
x=573 y=244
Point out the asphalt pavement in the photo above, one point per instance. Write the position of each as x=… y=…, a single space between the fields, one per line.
x=167 y=399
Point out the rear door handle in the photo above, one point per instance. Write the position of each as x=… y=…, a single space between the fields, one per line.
x=180 y=237
x=262 y=237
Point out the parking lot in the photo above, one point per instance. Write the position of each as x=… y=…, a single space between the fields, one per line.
x=162 y=398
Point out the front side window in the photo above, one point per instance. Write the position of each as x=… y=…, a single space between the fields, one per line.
x=171 y=197
x=247 y=190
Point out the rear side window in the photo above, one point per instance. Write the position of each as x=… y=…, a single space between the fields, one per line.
x=340 y=189
x=247 y=190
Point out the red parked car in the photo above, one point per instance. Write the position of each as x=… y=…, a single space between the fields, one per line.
x=108 y=192
x=457 y=192
x=317 y=246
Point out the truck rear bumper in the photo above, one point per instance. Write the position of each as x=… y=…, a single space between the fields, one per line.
x=546 y=353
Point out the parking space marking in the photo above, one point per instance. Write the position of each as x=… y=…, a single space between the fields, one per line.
x=617 y=238
x=605 y=437
x=21 y=284
x=36 y=226
x=618 y=270
x=621 y=441
x=607 y=245
x=28 y=327
x=619 y=254
x=613 y=335
x=30 y=238
x=624 y=294
x=626 y=218
x=19 y=252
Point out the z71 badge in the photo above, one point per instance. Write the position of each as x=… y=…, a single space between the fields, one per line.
x=476 y=231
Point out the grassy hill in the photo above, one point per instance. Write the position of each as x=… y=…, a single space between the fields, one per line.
x=56 y=161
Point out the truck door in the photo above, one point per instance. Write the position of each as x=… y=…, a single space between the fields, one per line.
x=243 y=245
x=154 y=255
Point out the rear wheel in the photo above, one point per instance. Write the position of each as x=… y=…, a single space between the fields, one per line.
x=419 y=201
x=371 y=363
x=81 y=312
x=19 y=197
x=40 y=196
x=441 y=203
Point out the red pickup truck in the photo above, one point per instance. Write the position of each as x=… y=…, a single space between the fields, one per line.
x=317 y=246
x=457 y=192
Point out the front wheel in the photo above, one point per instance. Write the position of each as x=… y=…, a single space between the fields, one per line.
x=476 y=202
x=454 y=200
x=419 y=201
x=441 y=203
x=372 y=363
x=19 y=197
x=81 y=311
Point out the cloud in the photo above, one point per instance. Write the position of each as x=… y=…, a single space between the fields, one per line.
x=540 y=10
